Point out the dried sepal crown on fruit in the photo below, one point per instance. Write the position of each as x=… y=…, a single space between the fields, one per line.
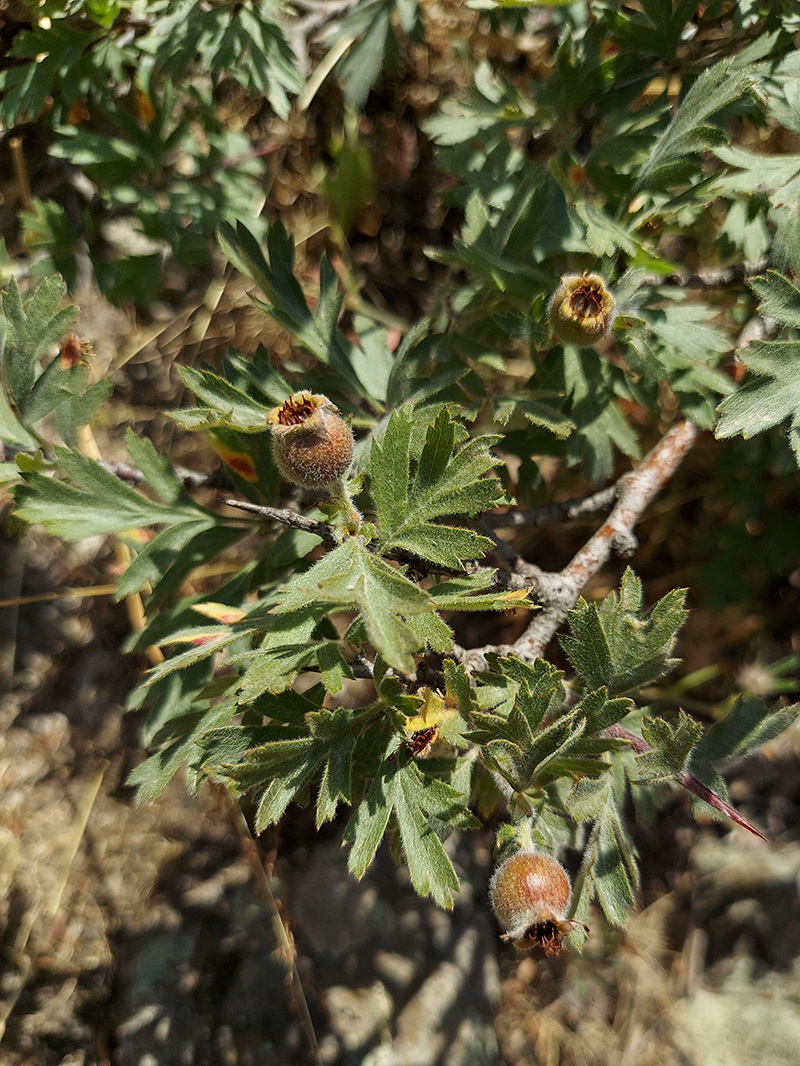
x=581 y=310
x=311 y=442
x=530 y=895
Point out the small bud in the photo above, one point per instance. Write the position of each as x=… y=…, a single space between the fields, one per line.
x=581 y=310
x=530 y=894
x=312 y=444
x=74 y=351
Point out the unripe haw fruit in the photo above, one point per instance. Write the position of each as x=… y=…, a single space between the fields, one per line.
x=530 y=894
x=311 y=442
x=581 y=310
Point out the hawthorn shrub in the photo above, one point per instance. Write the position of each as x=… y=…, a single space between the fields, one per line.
x=621 y=284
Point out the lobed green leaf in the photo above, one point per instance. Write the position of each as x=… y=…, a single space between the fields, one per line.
x=671 y=746
x=351 y=576
x=620 y=646
x=444 y=482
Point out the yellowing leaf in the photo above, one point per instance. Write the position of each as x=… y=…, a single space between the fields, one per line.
x=220 y=612
x=433 y=713
x=241 y=462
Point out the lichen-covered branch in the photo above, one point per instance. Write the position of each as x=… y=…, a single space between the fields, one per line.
x=636 y=491
x=559 y=592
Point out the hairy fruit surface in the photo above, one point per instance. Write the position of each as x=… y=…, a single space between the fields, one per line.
x=581 y=310
x=311 y=442
x=530 y=894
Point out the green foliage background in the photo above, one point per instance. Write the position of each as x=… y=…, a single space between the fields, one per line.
x=631 y=151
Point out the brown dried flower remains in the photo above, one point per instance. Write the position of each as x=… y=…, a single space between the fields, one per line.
x=581 y=310
x=74 y=351
x=296 y=410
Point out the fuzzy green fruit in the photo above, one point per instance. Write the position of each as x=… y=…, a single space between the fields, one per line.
x=311 y=442
x=530 y=895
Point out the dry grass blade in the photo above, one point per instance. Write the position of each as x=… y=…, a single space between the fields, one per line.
x=78 y=593
x=48 y=908
x=287 y=950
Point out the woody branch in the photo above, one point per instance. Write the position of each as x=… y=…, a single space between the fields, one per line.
x=559 y=591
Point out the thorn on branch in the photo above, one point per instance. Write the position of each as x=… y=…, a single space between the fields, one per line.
x=687 y=781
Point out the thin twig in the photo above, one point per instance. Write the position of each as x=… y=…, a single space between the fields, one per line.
x=328 y=534
x=78 y=593
x=190 y=479
x=288 y=518
x=565 y=511
x=714 y=278
x=20 y=172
